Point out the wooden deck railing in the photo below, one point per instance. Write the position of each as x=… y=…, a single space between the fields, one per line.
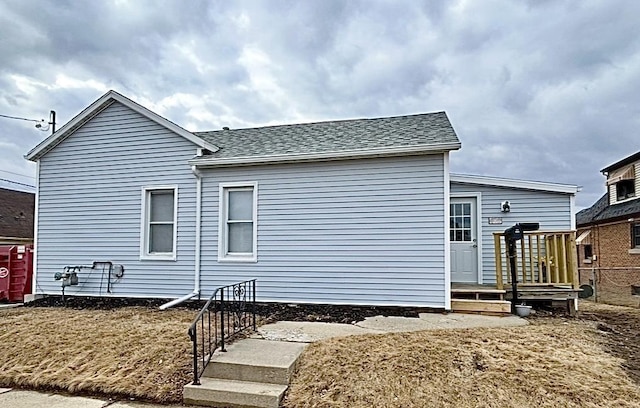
x=542 y=258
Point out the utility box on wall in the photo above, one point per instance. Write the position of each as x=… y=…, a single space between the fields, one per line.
x=16 y=272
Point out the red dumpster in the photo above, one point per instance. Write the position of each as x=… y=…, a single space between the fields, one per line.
x=16 y=271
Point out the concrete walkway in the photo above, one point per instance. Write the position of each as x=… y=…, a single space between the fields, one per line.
x=308 y=332
x=14 y=398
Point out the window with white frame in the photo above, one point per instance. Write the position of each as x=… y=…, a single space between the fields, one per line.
x=159 y=210
x=238 y=224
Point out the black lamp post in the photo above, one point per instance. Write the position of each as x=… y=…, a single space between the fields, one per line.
x=512 y=235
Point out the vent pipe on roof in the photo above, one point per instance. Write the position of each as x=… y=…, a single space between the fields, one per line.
x=225 y=128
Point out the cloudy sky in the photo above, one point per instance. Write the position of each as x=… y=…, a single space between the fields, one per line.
x=538 y=90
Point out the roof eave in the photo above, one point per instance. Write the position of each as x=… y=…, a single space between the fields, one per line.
x=511 y=183
x=98 y=106
x=326 y=156
x=627 y=160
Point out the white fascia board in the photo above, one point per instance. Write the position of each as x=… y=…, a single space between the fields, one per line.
x=325 y=156
x=98 y=106
x=512 y=183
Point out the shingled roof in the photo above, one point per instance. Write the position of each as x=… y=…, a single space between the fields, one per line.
x=429 y=129
x=601 y=211
x=16 y=213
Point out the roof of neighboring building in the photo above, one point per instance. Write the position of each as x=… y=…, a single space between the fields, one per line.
x=429 y=130
x=627 y=160
x=513 y=183
x=601 y=211
x=16 y=213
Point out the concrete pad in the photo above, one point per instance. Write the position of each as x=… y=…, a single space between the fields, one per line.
x=10 y=305
x=33 y=399
x=435 y=321
x=308 y=332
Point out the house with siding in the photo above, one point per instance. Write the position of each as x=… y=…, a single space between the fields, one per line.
x=360 y=212
x=16 y=216
x=609 y=235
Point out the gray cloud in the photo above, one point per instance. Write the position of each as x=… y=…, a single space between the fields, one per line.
x=535 y=90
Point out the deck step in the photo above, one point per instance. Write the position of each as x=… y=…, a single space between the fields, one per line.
x=256 y=360
x=497 y=307
x=478 y=294
x=213 y=392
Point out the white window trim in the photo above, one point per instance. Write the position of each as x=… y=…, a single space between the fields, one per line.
x=144 y=224
x=223 y=256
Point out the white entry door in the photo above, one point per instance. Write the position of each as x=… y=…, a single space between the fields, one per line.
x=464 y=240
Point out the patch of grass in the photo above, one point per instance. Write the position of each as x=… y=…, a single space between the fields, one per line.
x=559 y=364
x=132 y=351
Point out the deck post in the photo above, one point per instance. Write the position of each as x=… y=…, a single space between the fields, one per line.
x=574 y=260
x=498 y=256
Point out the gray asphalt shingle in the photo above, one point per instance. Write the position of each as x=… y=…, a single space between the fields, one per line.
x=335 y=136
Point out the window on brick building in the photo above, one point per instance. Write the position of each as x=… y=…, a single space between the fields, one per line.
x=635 y=235
x=588 y=251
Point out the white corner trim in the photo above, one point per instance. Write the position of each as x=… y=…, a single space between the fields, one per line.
x=447 y=241
x=222 y=219
x=34 y=279
x=98 y=106
x=144 y=215
x=572 y=207
x=513 y=183
x=324 y=156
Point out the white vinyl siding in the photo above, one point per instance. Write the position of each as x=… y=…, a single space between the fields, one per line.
x=159 y=213
x=90 y=201
x=343 y=232
x=552 y=210
x=238 y=222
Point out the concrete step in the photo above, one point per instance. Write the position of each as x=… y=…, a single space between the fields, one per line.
x=214 y=392
x=256 y=360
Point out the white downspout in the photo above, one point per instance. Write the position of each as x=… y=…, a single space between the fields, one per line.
x=196 y=284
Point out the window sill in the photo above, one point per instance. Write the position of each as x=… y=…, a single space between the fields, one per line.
x=239 y=259
x=634 y=251
x=168 y=257
x=586 y=261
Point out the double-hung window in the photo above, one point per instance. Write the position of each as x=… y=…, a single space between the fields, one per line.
x=238 y=224
x=159 y=214
x=635 y=235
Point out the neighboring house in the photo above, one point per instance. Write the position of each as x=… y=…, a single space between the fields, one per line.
x=344 y=212
x=16 y=216
x=609 y=235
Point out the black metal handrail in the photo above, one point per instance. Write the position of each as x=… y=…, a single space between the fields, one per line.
x=233 y=310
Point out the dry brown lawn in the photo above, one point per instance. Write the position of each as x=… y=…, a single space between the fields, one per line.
x=551 y=363
x=132 y=351
x=593 y=361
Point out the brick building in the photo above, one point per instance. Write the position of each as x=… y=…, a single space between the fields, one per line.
x=609 y=236
x=16 y=216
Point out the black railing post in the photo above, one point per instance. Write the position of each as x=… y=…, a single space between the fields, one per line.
x=194 y=339
x=253 y=303
x=222 y=320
